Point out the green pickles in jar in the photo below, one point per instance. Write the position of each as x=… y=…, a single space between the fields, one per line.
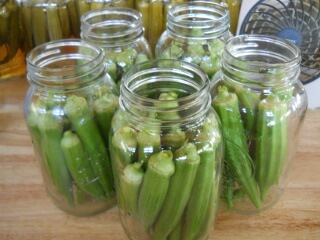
x=166 y=152
x=44 y=21
x=68 y=112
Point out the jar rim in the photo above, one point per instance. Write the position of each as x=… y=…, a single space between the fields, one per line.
x=210 y=17
x=111 y=25
x=260 y=59
x=59 y=63
x=158 y=73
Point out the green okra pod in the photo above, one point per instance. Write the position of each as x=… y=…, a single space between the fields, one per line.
x=249 y=101
x=173 y=139
x=53 y=23
x=82 y=121
x=186 y=160
x=130 y=181
x=149 y=142
x=74 y=18
x=64 y=21
x=78 y=163
x=271 y=144
x=104 y=108
x=155 y=186
x=39 y=30
x=124 y=147
x=204 y=182
x=51 y=129
x=237 y=155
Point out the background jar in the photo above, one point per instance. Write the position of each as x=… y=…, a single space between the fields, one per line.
x=261 y=104
x=166 y=152
x=196 y=32
x=68 y=108
x=49 y=20
x=119 y=32
x=12 y=57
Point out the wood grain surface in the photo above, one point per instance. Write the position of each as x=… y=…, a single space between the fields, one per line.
x=26 y=212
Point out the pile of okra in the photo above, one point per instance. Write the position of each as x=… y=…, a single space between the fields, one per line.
x=167 y=176
x=70 y=136
x=254 y=127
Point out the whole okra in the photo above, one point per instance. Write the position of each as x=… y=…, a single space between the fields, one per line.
x=237 y=155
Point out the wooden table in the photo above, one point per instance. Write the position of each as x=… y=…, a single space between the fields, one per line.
x=27 y=213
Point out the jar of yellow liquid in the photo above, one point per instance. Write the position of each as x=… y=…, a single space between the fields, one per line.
x=12 y=58
x=234 y=10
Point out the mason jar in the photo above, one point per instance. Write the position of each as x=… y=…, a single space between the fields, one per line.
x=261 y=104
x=119 y=32
x=12 y=57
x=166 y=152
x=50 y=20
x=196 y=32
x=68 y=110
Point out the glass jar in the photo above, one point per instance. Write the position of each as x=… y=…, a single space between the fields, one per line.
x=68 y=110
x=234 y=11
x=196 y=33
x=154 y=20
x=12 y=58
x=261 y=104
x=119 y=32
x=49 y=20
x=166 y=152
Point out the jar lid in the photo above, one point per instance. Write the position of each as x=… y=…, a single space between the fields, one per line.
x=296 y=21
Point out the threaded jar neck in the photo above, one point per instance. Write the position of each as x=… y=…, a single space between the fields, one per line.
x=198 y=20
x=261 y=60
x=64 y=65
x=116 y=26
x=143 y=84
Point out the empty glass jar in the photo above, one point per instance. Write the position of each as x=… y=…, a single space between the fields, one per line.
x=261 y=104
x=68 y=111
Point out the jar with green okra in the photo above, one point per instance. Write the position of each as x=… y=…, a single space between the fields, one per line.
x=196 y=32
x=49 y=20
x=68 y=110
x=119 y=32
x=261 y=104
x=12 y=57
x=166 y=152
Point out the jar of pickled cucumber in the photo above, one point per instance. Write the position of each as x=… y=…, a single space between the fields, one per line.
x=166 y=152
x=196 y=32
x=12 y=57
x=261 y=104
x=49 y=20
x=119 y=32
x=68 y=110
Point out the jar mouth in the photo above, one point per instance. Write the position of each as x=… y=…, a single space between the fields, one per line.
x=204 y=19
x=111 y=26
x=260 y=59
x=143 y=83
x=64 y=63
